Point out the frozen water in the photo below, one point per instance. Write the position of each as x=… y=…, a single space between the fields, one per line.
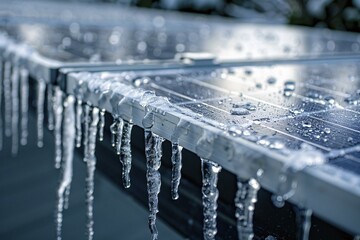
x=7 y=98
x=24 y=93
x=58 y=112
x=125 y=153
x=303 y=219
x=86 y=121
x=210 y=195
x=40 y=100
x=50 y=109
x=91 y=165
x=119 y=132
x=101 y=124
x=79 y=112
x=67 y=163
x=176 y=160
x=153 y=151
x=307 y=156
x=246 y=197
x=15 y=110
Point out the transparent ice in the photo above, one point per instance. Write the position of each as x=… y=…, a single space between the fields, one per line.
x=24 y=94
x=125 y=153
x=40 y=100
x=245 y=199
x=67 y=163
x=7 y=97
x=210 y=195
x=15 y=110
x=58 y=112
x=91 y=165
x=50 y=109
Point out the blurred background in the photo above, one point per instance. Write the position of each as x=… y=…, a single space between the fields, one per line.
x=333 y=14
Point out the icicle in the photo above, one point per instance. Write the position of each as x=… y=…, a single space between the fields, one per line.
x=58 y=111
x=125 y=153
x=113 y=127
x=67 y=197
x=91 y=164
x=119 y=132
x=153 y=151
x=79 y=112
x=15 y=111
x=86 y=120
x=50 y=110
x=40 y=112
x=246 y=197
x=7 y=98
x=176 y=159
x=303 y=218
x=67 y=171
x=24 y=92
x=101 y=125
x=210 y=195
x=176 y=169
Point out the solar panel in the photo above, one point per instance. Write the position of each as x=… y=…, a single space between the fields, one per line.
x=257 y=118
x=274 y=103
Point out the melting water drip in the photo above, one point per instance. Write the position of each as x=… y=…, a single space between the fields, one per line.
x=176 y=160
x=79 y=112
x=50 y=109
x=7 y=98
x=289 y=88
x=246 y=197
x=67 y=163
x=125 y=153
x=58 y=111
x=153 y=151
x=101 y=125
x=91 y=165
x=15 y=111
x=210 y=195
x=24 y=92
x=303 y=219
x=86 y=120
x=41 y=87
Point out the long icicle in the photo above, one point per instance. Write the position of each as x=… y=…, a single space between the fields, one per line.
x=67 y=163
x=50 y=109
x=101 y=125
x=7 y=97
x=125 y=153
x=153 y=151
x=210 y=195
x=15 y=111
x=246 y=197
x=303 y=219
x=58 y=111
x=176 y=160
x=1 y=93
x=86 y=120
x=40 y=112
x=91 y=165
x=24 y=92
x=79 y=114
x=119 y=132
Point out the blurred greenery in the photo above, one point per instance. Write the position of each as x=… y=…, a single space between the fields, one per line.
x=333 y=14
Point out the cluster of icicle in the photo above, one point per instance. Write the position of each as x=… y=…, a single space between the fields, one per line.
x=75 y=122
